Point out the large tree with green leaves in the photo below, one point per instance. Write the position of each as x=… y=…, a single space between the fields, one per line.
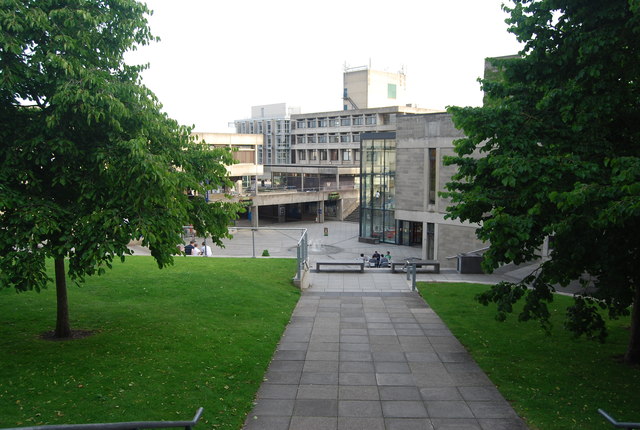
x=555 y=152
x=88 y=161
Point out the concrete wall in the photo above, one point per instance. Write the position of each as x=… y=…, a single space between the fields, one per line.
x=415 y=135
x=454 y=239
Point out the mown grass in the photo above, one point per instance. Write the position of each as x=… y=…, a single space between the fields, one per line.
x=199 y=333
x=554 y=382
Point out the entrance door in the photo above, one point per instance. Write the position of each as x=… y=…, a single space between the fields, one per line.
x=416 y=233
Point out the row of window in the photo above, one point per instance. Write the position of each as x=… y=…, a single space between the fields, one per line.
x=343 y=121
x=261 y=127
x=328 y=154
x=327 y=138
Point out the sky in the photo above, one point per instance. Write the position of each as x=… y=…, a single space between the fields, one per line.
x=217 y=58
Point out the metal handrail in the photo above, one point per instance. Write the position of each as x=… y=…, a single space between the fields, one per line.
x=467 y=253
x=302 y=254
x=133 y=425
x=617 y=424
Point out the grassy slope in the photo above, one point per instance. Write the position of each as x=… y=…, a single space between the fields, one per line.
x=200 y=333
x=556 y=382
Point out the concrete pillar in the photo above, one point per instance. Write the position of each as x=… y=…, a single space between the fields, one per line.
x=340 y=209
x=337 y=181
x=254 y=216
x=239 y=186
x=321 y=211
x=282 y=213
x=424 y=241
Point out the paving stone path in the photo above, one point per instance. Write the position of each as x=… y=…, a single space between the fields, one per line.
x=374 y=360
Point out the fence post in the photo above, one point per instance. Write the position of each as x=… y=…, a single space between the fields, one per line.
x=413 y=277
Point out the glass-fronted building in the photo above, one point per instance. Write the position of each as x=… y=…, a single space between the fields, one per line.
x=377 y=186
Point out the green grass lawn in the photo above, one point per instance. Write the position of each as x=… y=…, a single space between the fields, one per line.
x=199 y=333
x=555 y=382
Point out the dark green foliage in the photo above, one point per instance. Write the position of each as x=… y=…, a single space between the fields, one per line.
x=555 y=152
x=88 y=161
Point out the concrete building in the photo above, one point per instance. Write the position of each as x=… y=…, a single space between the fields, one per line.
x=402 y=175
x=274 y=124
x=245 y=151
x=366 y=88
x=333 y=138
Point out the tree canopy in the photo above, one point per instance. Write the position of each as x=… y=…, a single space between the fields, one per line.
x=555 y=153
x=88 y=160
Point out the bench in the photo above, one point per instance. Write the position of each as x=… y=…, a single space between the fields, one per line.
x=360 y=264
x=431 y=266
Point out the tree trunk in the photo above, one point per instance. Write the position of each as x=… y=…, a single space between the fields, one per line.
x=63 y=329
x=633 y=351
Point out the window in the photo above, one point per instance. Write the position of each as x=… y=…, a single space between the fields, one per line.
x=333 y=153
x=333 y=138
x=391 y=91
x=311 y=123
x=322 y=122
x=311 y=138
x=323 y=154
x=345 y=138
x=345 y=121
x=334 y=122
x=356 y=155
x=432 y=176
x=313 y=154
x=301 y=154
x=300 y=123
x=322 y=138
x=346 y=155
x=301 y=139
x=370 y=120
x=356 y=137
x=357 y=120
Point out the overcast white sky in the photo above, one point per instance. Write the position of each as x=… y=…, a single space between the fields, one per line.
x=218 y=58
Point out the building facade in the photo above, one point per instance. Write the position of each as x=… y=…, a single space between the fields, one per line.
x=402 y=174
x=245 y=151
x=366 y=88
x=333 y=138
x=273 y=122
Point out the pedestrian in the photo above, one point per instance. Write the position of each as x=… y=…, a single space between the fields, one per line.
x=388 y=256
x=196 y=250
x=376 y=256
x=188 y=250
x=206 y=250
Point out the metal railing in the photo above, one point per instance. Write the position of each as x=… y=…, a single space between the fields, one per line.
x=302 y=246
x=132 y=425
x=617 y=424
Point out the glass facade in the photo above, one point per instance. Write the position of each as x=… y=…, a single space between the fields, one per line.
x=377 y=186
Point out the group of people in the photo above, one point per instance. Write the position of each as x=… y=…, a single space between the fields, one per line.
x=192 y=249
x=377 y=259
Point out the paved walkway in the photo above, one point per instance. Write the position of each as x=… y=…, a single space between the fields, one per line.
x=364 y=352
